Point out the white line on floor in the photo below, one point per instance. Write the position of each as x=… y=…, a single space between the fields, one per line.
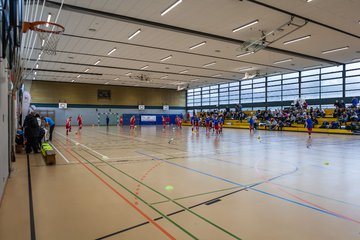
x=59 y=153
x=77 y=143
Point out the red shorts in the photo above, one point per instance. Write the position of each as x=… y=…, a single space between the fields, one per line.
x=309 y=130
x=207 y=125
x=216 y=127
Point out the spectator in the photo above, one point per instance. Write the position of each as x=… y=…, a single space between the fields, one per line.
x=49 y=122
x=354 y=102
x=32 y=132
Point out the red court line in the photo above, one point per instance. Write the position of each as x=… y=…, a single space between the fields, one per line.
x=123 y=197
x=302 y=199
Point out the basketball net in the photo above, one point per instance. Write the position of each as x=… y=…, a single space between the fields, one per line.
x=49 y=34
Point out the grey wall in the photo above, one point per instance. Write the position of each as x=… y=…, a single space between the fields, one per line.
x=4 y=127
x=90 y=115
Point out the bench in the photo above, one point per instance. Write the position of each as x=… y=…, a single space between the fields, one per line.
x=48 y=153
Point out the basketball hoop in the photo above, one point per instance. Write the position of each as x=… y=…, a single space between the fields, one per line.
x=48 y=32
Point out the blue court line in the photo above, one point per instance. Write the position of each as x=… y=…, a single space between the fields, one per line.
x=250 y=187
x=318 y=195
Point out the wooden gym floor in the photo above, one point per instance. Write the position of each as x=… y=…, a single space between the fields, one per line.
x=112 y=183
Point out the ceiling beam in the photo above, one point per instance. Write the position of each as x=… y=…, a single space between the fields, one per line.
x=167 y=27
x=302 y=17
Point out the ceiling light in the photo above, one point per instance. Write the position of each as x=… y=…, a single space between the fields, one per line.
x=107 y=83
x=246 y=25
x=245 y=54
x=245 y=69
x=335 y=50
x=128 y=74
x=113 y=50
x=166 y=76
x=35 y=73
x=194 y=80
x=356 y=60
x=185 y=71
x=171 y=7
x=42 y=42
x=116 y=79
x=73 y=80
x=297 y=39
x=33 y=78
x=136 y=85
x=308 y=1
x=37 y=65
x=48 y=20
x=86 y=70
x=97 y=62
x=144 y=67
x=283 y=61
x=79 y=76
x=166 y=58
x=134 y=34
x=198 y=45
x=209 y=64
x=216 y=75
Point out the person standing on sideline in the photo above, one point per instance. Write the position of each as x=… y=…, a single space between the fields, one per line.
x=309 y=125
x=49 y=122
x=132 y=122
x=107 y=120
x=31 y=133
x=68 y=125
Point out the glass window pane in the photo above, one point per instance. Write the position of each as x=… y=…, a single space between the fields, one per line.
x=234 y=84
x=274 y=83
x=331 y=75
x=355 y=93
x=331 y=95
x=332 y=69
x=352 y=86
x=310 y=78
x=310 y=90
x=350 y=66
x=331 y=88
x=311 y=96
x=310 y=84
x=353 y=79
x=353 y=73
x=331 y=82
x=310 y=72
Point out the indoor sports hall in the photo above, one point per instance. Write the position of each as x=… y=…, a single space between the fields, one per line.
x=179 y=119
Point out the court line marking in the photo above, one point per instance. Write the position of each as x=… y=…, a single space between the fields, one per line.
x=119 y=194
x=59 y=153
x=128 y=201
x=171 y=200
x=31 y=205
x=252 y=188
x=302 y=199
x=77 y=143
x=318 y=195
x=196 y=195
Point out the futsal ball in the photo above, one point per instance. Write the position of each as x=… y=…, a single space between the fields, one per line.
x=135 y=127
x=258 y=137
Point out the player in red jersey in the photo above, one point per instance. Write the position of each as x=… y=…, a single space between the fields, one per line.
x=68 y=125
x=121 y=121
x=164 y=121
x=80 y=121
x=132 y=122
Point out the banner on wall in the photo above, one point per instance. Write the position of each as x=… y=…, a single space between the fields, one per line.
x=148 y=118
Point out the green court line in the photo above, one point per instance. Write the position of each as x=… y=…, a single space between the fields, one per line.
x=196 y=195
x=169 y=199
x=129 y=191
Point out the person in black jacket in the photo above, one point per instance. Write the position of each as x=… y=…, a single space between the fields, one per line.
x=32 y=133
